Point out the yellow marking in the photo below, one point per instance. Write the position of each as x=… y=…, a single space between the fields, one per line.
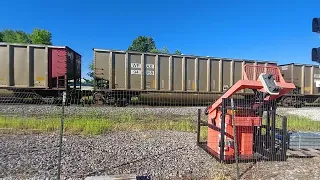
x=1 y=79
x=192 y=85
x=153 y=84
x=307 y=88
x=40 y=78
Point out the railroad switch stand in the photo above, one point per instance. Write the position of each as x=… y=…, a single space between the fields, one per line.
x=255 y=138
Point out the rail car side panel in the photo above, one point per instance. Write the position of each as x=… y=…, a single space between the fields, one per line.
x=135 y=70
x=305 y=77
x=307 y=80
x=190 y=74
x=20 y=64
x=102 y=66
x=36 y=66
x=163 y=72
x=119 y=61
x=177 y=73
x=203 y=75
x=5 y=68
x=24 y=66
x=227 y=74
x=316 y=80
x=215 y=75
x=40 y=63
x=150 y=73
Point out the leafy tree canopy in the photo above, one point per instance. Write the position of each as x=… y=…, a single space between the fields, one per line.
x=38 y=36
x=147 y=44
x=41 y=36
x=142 y=44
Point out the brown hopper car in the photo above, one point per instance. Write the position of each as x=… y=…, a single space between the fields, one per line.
x=46 y=70
x=164 y=78
x=306 y=78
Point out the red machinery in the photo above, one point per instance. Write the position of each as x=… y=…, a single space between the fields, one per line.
x=268 y=84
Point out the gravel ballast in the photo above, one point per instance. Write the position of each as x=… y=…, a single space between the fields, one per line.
x=159 y=154
x=309 y=112
x=47 y=109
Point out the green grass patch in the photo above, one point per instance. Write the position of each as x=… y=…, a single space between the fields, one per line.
x=95 y=125
x=298 y=123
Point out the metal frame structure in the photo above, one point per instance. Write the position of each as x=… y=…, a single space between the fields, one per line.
x=272 y=145
x=226 y=121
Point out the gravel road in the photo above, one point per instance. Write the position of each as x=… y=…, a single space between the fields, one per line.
x=159 y=154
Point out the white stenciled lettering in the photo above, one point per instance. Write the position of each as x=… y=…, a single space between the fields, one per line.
x=136 y=65
x=135 y=71
x=150 y=66
x=149 y=73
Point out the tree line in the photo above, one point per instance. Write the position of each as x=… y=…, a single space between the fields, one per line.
x=37 y=36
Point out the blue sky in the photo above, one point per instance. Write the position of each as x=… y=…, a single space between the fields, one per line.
x=263 y=30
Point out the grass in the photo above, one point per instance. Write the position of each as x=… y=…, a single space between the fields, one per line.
x=94 y=124
x=297 y=123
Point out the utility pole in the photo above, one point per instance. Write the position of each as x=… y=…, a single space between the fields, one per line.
x=315 y=52
x=315 y=57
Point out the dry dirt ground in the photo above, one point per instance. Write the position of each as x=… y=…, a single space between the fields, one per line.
x=160 y=154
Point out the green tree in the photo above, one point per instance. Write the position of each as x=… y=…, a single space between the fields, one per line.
x=91 y=70
x=38 y=36
x=14 y=36
x=178 y=52
x=41 y=36
x=22 y=37
x=164 y=50
x=142 y=44
x=147 y=44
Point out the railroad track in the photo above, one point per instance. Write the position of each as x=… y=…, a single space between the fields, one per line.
x=303 y=152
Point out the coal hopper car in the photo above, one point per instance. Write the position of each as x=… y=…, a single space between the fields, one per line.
x=38 y=71
x=306 y=78
x=124 y=77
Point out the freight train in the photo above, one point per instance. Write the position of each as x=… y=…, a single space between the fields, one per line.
x=125 y=77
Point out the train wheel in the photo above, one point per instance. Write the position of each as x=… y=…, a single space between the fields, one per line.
x=286 y=102
x=121 y=102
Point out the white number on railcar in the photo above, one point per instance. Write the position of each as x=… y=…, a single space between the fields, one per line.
x=135 y=71
x=150 y=66
x=149 y=73
x=136 y=65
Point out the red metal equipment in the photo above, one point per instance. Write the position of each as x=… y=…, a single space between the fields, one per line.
x=267 y=84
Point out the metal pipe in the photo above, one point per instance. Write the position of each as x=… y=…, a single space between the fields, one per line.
x=61 y=134
x=235 y=139
x=273 y=127
x=222 y=128
x=284 y=136
x=198 y=130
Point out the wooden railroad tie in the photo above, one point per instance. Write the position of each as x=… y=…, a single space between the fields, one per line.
x=303 y=152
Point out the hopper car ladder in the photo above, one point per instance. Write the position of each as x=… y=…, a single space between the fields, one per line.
x=253 y=138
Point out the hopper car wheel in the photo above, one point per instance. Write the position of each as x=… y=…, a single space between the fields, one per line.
x=98 y=98
x=121 y=102
x=286 y=102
